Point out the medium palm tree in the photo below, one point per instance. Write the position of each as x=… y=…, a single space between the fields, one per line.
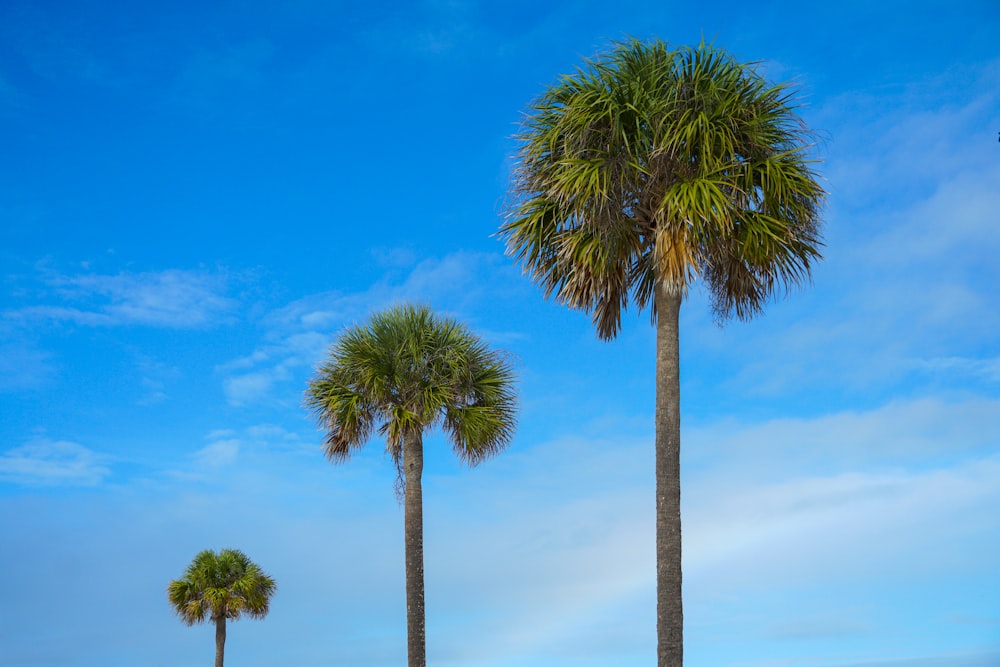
x=646 y=169
x=404 y=372
x=221 y=586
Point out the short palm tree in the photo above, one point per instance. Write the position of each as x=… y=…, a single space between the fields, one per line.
x=404 y=372
x=221 y=586
x=646 y=169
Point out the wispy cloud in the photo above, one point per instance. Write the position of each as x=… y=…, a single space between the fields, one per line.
x=863 y=506
x=219 y=453
x=987 y=369
x=155 y=377
x=45 y=462
x=838 y=527
x=227 y=447
x=172 y=298
x=247 y=388
x=898 y=433
x=299 y=333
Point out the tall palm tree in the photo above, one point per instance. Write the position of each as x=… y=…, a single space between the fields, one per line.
x=221 y=586
x=650 y=167
x=405 y=372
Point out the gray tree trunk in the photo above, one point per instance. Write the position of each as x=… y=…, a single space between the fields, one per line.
x=669 y=607
x=413 y=527
x=220 y=640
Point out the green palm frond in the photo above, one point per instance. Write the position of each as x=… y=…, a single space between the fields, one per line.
x=653 y=165
x=225 y=584
x=407 y=370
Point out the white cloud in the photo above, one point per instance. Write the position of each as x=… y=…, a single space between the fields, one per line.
x=300 y=332
x=45 y=462
x=217 y=454
x=264 y=439
x=894 y=434
x=248 y=388
x=171 y=298
x=271 y=434
x=987 y=369
x=250 y=451
x=837 y=528
x=459 y=279
x=454 y=281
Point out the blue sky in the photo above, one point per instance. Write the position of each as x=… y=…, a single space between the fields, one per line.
x=196 y=197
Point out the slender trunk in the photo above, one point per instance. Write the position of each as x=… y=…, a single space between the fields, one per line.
x=220 y=639
x=669 y=608
x=413 y=520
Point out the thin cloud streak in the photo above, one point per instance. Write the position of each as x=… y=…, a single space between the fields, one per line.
x=300 y=332
x=899 y=433
x=45 y=462
x=171 y=298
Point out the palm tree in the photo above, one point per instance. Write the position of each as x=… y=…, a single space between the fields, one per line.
x=221 y=586
x=650 y=167
x=406 y=371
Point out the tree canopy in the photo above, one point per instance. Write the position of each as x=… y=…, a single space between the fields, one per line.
x=654 y=164
x=221 y=585
x=407 y=370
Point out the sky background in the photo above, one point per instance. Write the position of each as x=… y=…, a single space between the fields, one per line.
x=196 y=197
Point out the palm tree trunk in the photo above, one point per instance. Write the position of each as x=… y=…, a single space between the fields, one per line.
x=669 y=607
x=220 y=640
x=413 y=520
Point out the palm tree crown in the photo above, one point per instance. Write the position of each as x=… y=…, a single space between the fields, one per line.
x=655 y=165
x=221 y=585
x=409 y=370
